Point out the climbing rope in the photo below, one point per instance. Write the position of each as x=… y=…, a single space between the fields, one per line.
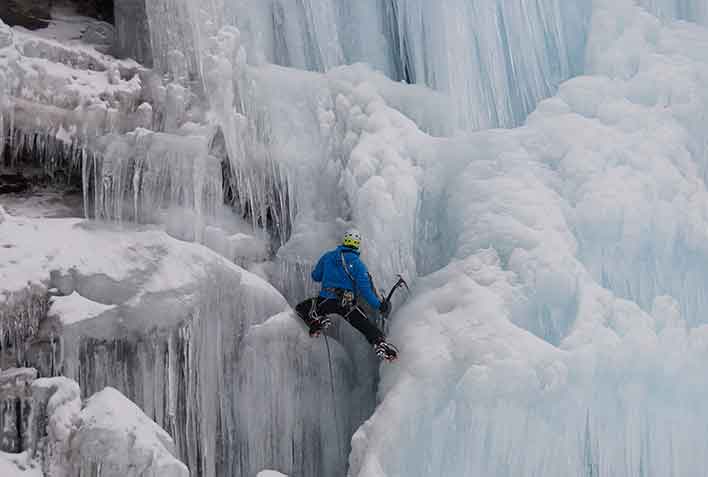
x=334 y=397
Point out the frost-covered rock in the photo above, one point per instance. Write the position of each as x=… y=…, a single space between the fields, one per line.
x=15 y=400
x=115 y=434
x=108 y=431
x=55 y=418
x=5 y=35
x=30 y=14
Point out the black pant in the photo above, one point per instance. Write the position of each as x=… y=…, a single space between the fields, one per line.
x=332 y=306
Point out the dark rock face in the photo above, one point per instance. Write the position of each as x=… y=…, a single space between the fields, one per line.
x=100 y=9
x=132 y=38
x=15 y=406
x=31 y=14
x=13 y=183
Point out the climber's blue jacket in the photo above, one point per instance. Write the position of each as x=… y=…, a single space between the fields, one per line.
x=330 y=271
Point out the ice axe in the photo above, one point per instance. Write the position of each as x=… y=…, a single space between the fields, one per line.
x=400 y=283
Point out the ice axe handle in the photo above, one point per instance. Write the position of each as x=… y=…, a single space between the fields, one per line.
x=400 y=283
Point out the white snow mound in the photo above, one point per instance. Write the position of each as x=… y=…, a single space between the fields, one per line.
x=270 y=473
x=117 y=434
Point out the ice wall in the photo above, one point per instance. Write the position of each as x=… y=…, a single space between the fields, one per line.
x=562 y=334
x=497 y=59
x=497 y=62
x=237 y=397
x=546 y=253
x=689 y=10
x=309 y=153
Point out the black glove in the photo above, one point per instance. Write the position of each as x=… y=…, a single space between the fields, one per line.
x=385 y=308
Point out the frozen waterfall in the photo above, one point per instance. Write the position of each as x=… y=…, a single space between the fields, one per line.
x=496 y=58
x=555 y=325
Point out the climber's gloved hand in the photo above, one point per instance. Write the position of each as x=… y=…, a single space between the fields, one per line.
x=385 y=308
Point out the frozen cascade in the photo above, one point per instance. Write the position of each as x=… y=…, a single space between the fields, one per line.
x=565 y=335
x=155 y=172
x=517 y=46
x=689 y=10
x=544 y=284
x=278 y=148
x=201 y=381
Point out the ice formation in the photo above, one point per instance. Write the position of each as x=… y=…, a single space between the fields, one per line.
x=107 y=435
x=496 y=58
x=563 y=338
x=555 y=326
x=169 y=323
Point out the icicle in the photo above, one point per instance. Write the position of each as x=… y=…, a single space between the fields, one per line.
x=20 y=315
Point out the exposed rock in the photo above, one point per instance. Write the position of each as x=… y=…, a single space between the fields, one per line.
x=31 y=14
x=132 y=34
x=99 y=33
x=101 y=9
x=15 y=397
x=10 y=183
x=56 y=403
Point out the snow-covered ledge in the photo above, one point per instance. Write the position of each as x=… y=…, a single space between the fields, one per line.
x=109 y=432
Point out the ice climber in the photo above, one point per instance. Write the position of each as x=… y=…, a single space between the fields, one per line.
x=344 y=277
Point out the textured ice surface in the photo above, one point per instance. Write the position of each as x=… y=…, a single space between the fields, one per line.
x=564 y=335
x=557 y=326
x=689 y=10
x=494 y=58
x=173 y=326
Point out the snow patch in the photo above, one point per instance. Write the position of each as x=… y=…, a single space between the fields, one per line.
x=74 y=308
x=270 y=473
x=18 y=465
